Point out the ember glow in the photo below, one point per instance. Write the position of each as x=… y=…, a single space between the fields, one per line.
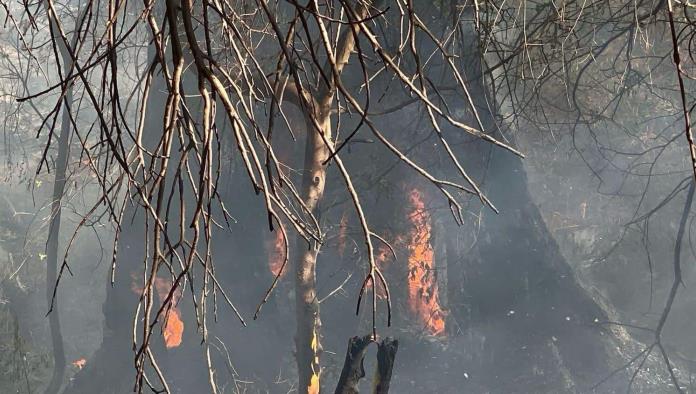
x=173 y=325
x=173 y=328
x=80 y=363
x=423 y=298
x=276 y=253
x=314 y=380
x=382 y=257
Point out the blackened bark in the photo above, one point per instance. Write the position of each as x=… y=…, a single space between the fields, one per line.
x=386 y=354
x=353 y=369
x=524 y=289
x=538 y=321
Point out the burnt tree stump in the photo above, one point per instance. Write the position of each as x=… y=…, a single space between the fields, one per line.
x=386 y=353
x=353 y=369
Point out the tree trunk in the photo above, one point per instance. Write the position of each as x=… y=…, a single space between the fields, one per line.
x=527 y=294
x=52 y=250
x=52 y=242
x=537 y=322
x=307 y=344
x=111 y=368
x=353 y=366
x=386 y=354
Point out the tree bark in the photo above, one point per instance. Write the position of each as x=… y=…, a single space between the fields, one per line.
x=526 y=292
x=539 y=321
x=386 y=354
x=353 y=369
x=60 y=178
x=307 y=341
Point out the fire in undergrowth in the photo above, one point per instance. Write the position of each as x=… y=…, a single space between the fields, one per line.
x=173 y=327
x=423 y=297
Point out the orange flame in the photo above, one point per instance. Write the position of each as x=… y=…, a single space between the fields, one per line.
x=79 y=363
x=383 y=256
x=423 y=298
x=173 y=327
x=276 y=253
x=313 y=387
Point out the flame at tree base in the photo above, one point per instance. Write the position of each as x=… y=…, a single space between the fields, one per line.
x=423 y=293
x=313 y=387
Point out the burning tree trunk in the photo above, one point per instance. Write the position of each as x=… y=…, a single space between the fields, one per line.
x=418 y=239
x=307 y=343
x=423 y=290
